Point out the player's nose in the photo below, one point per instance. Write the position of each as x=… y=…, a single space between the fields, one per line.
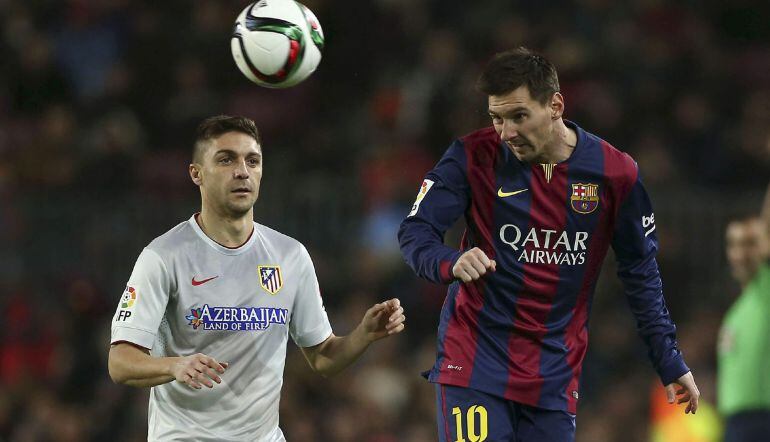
x=509 y=130
x=241 y=170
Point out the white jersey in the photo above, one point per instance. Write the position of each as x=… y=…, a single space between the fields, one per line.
x=188 y=294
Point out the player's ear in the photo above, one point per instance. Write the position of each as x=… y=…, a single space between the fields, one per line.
x=557 y=106
x=195 y=174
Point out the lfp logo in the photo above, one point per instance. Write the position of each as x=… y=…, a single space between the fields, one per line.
x=129 y=297
x=236 y=318
x=127 y=301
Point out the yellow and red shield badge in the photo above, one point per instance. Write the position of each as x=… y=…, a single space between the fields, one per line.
x=585 y=197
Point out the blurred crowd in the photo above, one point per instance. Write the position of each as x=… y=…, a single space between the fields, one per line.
x=99 y=99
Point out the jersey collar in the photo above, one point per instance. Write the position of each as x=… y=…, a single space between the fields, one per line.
x=219 y=247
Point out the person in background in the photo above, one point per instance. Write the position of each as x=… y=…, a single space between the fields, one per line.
x=743 y=375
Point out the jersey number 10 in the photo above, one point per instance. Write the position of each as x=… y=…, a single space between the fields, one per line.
x=470 y=419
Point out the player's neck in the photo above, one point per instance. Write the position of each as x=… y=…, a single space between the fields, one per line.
x=564 y=142
x=229 y=232
x=748 y=279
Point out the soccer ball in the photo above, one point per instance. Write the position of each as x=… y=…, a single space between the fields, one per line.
x=277 y=43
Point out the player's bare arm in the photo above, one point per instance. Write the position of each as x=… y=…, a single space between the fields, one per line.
x=684 y=390
x=337 y=352
x=472 y=265
x=134 y=366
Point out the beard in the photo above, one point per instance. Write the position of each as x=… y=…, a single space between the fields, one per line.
x=237 y=208
x=234 y=210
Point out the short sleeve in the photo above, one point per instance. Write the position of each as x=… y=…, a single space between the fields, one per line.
x=143 y=303
x=309 y=324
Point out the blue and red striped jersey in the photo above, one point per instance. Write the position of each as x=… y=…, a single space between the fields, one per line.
x=521 y=332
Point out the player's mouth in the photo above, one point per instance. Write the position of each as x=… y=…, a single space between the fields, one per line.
x=241 y=191
x=518 y=145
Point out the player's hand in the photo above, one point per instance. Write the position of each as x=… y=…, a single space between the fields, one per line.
x=472 y=265
x=197 y=370
x=684 y=390
x=383 y=319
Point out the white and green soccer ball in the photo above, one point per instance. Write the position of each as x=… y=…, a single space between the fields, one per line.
x=277 y=43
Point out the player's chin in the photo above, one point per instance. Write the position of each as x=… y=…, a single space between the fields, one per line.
x=240 y=206
x=525 y=153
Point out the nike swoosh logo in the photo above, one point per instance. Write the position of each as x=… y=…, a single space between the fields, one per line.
x=203 y=281
x=502 y=194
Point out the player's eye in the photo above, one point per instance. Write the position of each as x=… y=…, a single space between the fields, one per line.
x=519 y=116
x=496 y=119
x=253 y=162
x=225 y=160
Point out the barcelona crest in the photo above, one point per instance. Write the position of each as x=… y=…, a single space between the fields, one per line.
x=270 y=278
x=585 y=197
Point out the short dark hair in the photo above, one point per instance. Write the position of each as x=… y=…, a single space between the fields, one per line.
x=518 y=67
x=214 y=127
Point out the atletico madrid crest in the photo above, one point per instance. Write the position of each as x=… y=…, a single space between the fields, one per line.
x=585 y=197
x=270 y=278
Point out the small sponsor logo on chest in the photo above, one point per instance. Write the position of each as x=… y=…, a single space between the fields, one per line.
x=197 y=282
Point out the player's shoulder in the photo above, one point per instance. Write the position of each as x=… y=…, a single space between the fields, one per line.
x=618 y=166
x=483 y=136
x=278 y=242
x=619 y=161
x=173 y=240
x=480 y=146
